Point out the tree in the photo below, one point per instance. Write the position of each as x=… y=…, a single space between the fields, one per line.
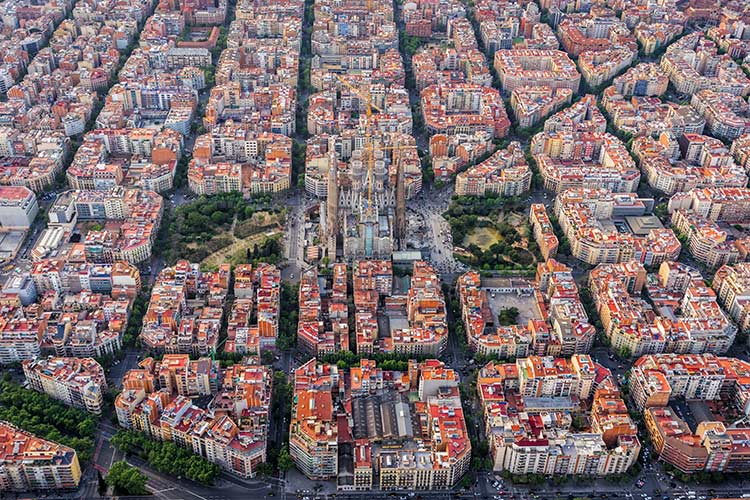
x=126 y=480
x=624 y=353
x=661 y=211
x=508 y=316
x=47 y=418
x=267 y=357
x=167 y=457
x=285 y=459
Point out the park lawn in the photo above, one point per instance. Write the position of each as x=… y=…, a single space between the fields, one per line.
x=515 y=219
x=483 y=237
x=237 y=251
x=261 y=226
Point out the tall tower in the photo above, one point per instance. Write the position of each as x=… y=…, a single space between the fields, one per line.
x=332 y=207
x=400 y=228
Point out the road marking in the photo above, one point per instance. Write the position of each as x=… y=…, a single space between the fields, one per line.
x=112 y=458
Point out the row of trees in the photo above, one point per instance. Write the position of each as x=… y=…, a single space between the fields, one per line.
x=140 y=306
x=47 y=418
x=455 y=323
x=126 y=480
x=281 y=407
x=167 y=457
x=409 y=43
x=348 y=359
x=289 y=316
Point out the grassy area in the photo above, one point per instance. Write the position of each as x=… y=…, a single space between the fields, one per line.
x=244 y=236
x=483 y=237
x=236 y=252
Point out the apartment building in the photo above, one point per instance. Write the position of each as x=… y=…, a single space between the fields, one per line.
x=574 y=151
x=323 y=326
x=416 y=314
x=321 y=427
x=732 y=287
x=232 y=157
x=140 y=157
x=708 y=242
x=712 y=445
x=544 y=233
x=425 y=313
x=133 y=217
x=170 y=325
x=449 y=153
x=586 y=215
x=654 y=36
x=372 y=279
x=596 y=31
x=426 y=19
x=464 y=63
x=685 y=318
x=77 y=382
x=31 y=463
x=691 y=161
x=534 y=67
x=338 y=109
x=730 y=205
x=644 y=79
x=257 y=293
x=531 y=105
x=464 y=108
x=581 y=117
x=266 y=109
x=86 y=316
x=538 y=440
x=59 y=90
x=562 y=328
x=693 y=64
x=740 y=149
x=727 y=115
x=505 y=173
x=503 y=25
x=232 y=431
x=598 y=67
x=32 y=158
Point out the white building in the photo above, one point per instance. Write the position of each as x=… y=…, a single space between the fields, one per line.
x=18 y=207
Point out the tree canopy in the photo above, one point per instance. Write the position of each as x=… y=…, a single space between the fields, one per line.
x=48 y=418
x=126 y=480
x=167 y=457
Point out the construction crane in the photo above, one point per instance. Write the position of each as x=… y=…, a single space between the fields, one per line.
x=368 y=133
x=370 y=149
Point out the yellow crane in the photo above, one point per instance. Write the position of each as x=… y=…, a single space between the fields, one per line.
x=370 y=149
x=368 y=133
